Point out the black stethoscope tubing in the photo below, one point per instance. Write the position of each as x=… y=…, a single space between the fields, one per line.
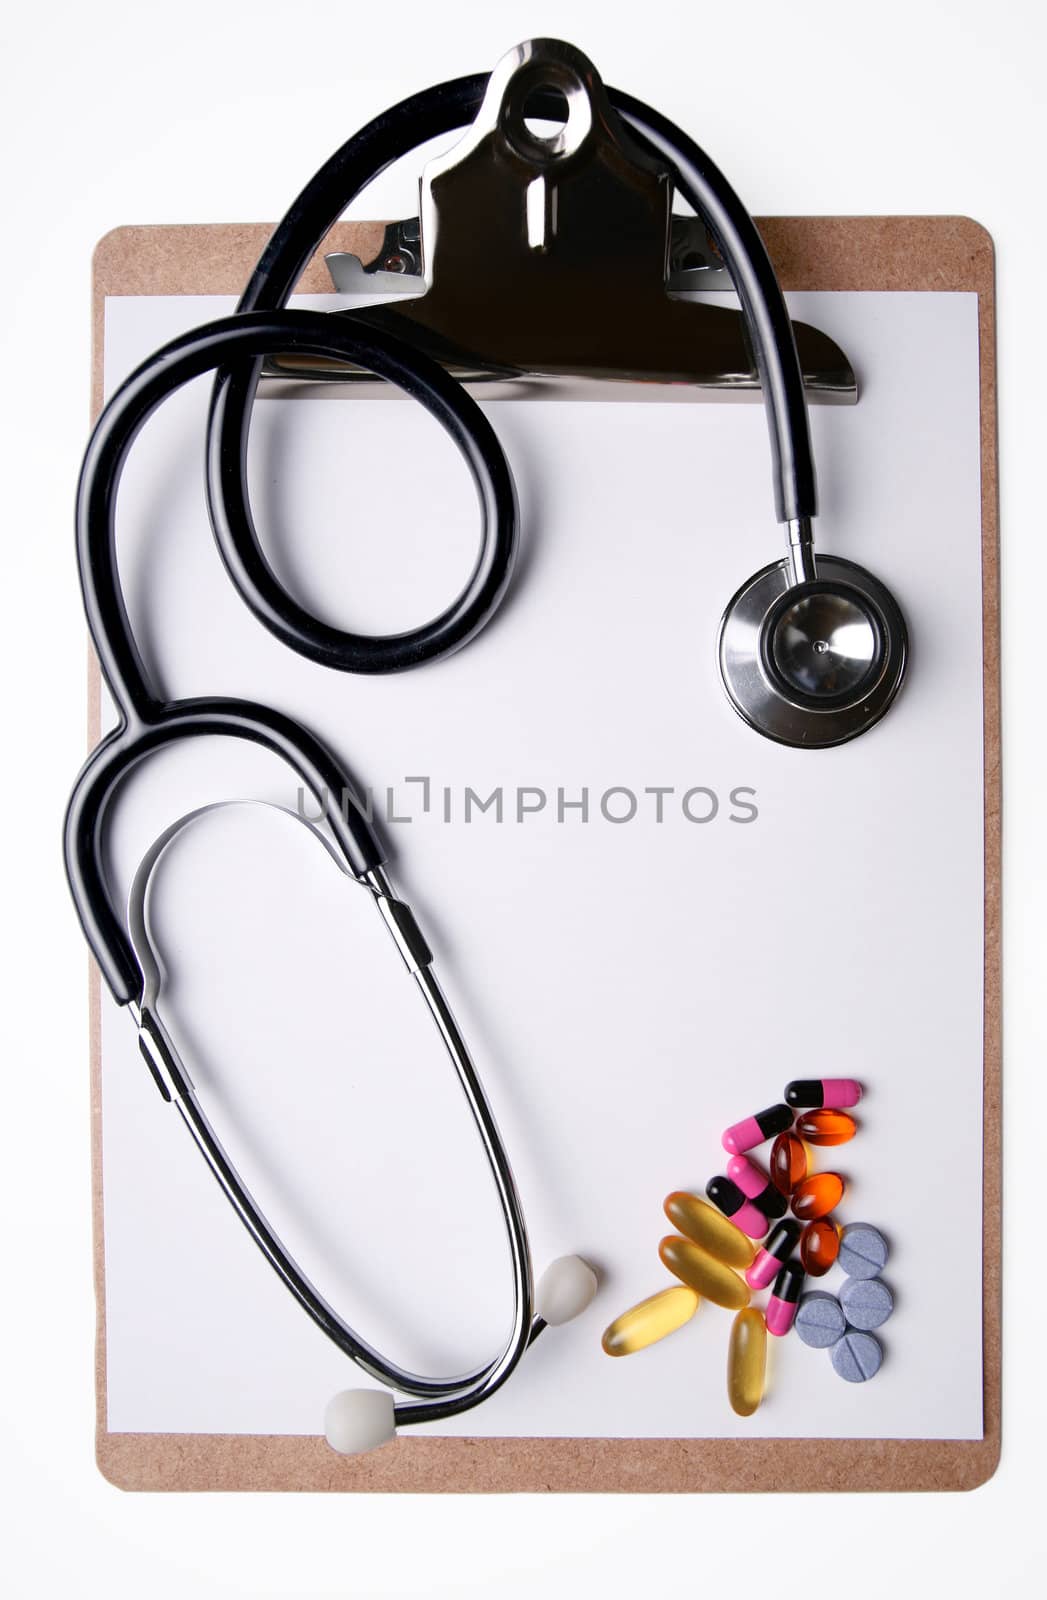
x=148 y=721
x=434 y=112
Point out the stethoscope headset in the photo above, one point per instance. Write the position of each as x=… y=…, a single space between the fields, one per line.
x=812 y=650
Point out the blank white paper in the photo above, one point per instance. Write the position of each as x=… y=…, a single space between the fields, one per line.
x=631 y=977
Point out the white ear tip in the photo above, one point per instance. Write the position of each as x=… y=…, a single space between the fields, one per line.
x=565 y=1289
x=357 y=1420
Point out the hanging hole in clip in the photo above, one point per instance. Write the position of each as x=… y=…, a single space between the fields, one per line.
x=546 y=112
x=538 y=114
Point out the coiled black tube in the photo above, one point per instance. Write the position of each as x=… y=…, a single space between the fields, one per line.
x=339 y=181
x=147 y=720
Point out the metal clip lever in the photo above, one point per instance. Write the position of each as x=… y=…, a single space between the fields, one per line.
x=555 y=256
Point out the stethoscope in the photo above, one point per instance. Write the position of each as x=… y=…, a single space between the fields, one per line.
x=811 y=651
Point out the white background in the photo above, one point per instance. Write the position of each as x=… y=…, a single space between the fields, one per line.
x=119 y=113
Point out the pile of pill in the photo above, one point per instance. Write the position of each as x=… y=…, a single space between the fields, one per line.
x=716 y=1256
x=843 y=1324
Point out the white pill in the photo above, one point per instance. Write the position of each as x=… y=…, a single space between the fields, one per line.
x=565 y=1289
x=357 y=1420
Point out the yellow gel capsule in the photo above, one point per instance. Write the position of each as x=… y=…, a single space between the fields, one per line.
x=711 y=1229
x=651 y=1320
x=703 y=1273
x=747 y=1361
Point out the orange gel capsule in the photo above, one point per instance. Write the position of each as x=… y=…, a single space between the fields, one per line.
x=747 y=1361
x=652 y=1319
x=788 y=1163
x=710 y=1228
x=826 y=1127
x=703 y=1273
x=817 y=1196
x=819 y=1247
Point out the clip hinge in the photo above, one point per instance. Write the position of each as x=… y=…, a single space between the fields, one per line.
x=396 y=266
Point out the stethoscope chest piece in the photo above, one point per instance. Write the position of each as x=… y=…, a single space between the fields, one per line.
x=812 y=664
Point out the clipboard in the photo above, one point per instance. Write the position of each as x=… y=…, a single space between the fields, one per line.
x=852 y=254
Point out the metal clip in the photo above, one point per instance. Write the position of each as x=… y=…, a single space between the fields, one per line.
x=396 y=266
x=549 y=253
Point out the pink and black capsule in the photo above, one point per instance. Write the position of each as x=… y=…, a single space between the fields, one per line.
x=769 y=1260
x=781 y=1307
x=757 y=1187
x=746 y=1135
x=837 y=1093
x=731 y=1201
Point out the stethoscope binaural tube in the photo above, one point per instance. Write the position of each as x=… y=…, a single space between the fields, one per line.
x=432 y=1398
x=412 y=122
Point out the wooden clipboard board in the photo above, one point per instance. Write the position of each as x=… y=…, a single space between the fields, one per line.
x=825 y=253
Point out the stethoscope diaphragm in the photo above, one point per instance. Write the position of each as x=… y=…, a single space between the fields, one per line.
x=812 y=664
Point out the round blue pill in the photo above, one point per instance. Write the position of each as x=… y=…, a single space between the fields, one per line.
x=863 y=1250
x=867 y=1302
x=820 y=1320
x=857 y=1356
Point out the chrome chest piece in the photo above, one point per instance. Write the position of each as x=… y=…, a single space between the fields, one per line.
x=814 y=662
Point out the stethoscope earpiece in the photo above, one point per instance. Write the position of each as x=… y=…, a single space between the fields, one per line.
x=815 y=663
x=357 y=1421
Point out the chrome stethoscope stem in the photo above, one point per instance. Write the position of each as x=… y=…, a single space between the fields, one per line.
x=800 y=535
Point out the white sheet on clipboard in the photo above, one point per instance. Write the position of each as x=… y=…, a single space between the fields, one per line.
x=628 y=987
